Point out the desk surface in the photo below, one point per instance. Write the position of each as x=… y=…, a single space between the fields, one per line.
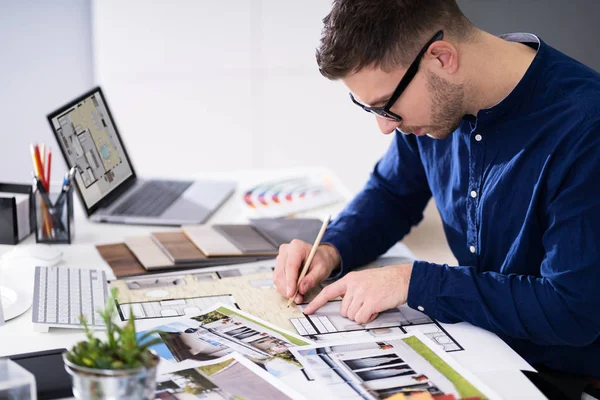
x=499 y=368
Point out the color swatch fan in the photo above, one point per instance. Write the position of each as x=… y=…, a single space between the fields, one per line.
x=289 y=196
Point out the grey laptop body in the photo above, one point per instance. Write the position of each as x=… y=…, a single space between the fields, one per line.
x=106 y=182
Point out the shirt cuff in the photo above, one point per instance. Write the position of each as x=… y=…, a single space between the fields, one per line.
x=344 y=249
x=424 y=286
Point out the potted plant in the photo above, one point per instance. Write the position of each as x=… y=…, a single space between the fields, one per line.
x=120 y=367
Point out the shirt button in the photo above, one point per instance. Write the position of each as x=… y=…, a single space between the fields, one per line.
x=472 y=249
x=473 y=194
x=420 y=308
x=478 y=137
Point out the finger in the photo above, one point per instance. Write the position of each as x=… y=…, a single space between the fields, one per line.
x=354 y=307
x=372 y=318
x=364 y=315
x=279 y=273
x=346 y=301
x=295 y=256
x=299 y=299
x=330 y=292
x=315 y=275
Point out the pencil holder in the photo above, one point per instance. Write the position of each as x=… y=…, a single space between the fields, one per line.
x=53 y=217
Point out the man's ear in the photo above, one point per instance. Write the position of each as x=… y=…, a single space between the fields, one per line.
x=444 y=55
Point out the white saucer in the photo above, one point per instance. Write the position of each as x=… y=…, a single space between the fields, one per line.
x=15 y=301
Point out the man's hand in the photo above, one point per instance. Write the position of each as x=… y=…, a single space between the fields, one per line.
x=290 y=261
x=367 y=293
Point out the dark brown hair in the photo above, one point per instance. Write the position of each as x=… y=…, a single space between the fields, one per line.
x=385 y=33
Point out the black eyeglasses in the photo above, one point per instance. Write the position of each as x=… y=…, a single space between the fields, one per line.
x=384 y=111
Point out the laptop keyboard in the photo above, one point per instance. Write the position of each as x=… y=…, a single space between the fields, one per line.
x=152 y=198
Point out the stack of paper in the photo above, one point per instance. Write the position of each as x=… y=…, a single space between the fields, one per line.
x=226 y=352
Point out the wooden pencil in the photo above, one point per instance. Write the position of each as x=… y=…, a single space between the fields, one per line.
x=313 y=250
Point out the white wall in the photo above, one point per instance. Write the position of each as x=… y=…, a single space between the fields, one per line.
x=213 y=86
x=198 y=85
x=45 y=60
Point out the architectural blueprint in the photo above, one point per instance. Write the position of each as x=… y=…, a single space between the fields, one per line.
x=326 y=324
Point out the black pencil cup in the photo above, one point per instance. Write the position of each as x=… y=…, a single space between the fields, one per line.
x=53 y=217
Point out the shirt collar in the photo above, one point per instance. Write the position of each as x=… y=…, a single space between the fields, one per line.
x=518 y=99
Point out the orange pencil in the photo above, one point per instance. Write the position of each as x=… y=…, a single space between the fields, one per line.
x=37 y=163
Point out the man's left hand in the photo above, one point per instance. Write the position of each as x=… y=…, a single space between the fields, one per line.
x=367 y=293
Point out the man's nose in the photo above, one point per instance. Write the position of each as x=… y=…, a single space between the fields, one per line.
x=387 y=126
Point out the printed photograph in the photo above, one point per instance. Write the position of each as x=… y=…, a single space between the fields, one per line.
x=225 y=379
x=223 y=330
x=408 y=364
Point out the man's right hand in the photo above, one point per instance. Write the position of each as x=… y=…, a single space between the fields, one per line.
x=290 y=261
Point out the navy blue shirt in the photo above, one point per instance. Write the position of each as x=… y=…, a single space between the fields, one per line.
x=518 y=191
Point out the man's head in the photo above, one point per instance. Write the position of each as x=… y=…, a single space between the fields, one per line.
x=379 y=48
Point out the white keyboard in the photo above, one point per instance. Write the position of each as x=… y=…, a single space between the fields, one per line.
x=61 y=295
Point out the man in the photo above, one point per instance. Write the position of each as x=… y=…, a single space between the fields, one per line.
x=504 y=133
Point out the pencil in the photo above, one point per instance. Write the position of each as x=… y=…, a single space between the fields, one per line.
x=39 y=173
x=313 y=250
x=47 y=166
x=37 y=163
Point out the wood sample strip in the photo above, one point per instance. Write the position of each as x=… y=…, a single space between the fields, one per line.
x=147 y=252
x=178 y=247
x=210 y=242
x=121 y=260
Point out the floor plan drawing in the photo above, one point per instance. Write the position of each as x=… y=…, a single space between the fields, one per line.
x=172 y=307
x=251 y=285
x=89 y=139
x=327 y=324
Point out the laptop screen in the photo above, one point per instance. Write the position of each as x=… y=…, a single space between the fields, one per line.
x=90 y=142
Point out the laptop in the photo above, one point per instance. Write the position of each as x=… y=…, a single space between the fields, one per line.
x=106 y=181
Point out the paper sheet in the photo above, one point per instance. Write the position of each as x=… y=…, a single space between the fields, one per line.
x=231 y=376
x=253 y=292
x=327 y=325
x=406 y=364
x=221 y=330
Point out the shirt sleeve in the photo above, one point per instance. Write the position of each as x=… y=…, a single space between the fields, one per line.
x=384 y=211
x=558 y=307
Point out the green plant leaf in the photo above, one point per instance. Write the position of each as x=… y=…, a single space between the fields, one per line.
x=121 y=350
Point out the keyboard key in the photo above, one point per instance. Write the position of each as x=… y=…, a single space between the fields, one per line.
x=41 y=275
x=74 y=296
x=52 y=295
x=63 y=296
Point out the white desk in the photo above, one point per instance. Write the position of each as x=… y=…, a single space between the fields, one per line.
x=486 y=355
